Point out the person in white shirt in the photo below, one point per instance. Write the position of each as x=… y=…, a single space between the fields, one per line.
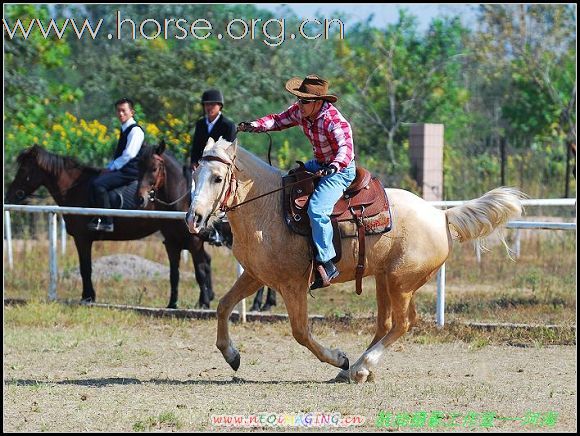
x=123 y=169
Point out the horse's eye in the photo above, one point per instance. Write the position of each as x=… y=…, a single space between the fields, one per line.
x=218 y=179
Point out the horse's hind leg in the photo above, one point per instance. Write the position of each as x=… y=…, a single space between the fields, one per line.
x=257 y=300
x=384 y=320
x=270 y=300
x=173 y=253
x=244 y=286
x=202 y=266
x=401 y=298
x=84 y=247
x=296 y=305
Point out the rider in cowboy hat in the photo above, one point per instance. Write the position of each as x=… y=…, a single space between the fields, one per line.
x=331 y=137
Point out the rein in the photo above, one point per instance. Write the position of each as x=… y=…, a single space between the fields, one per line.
x=314 y=176
x=223 y=206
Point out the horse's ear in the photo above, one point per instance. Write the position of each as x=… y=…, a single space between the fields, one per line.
x=160 y=148
x=34 y=149
x=233 y=148
x=210 y=142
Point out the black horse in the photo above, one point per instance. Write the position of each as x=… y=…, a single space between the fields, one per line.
x=160 y=172
x=68 y=181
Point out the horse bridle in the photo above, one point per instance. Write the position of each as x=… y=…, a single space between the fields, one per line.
x=160 y=181
x=232 y=184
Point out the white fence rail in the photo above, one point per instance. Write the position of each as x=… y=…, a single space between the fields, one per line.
x=54 y=210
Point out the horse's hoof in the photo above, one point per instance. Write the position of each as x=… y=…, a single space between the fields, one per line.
x=345 y=365
x=235 y=364
x=254 y=309
x=172 y=306
x=361 y=376
x=266 y=308
x=342 y=377
x=85 y=301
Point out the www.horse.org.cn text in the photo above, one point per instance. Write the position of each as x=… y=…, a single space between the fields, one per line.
x=272 y=32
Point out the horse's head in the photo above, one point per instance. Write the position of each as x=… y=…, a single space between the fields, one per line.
x=213 y=184
x=29 y=176
x=152 y=175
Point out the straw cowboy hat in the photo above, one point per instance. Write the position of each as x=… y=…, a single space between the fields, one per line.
x=312 y=87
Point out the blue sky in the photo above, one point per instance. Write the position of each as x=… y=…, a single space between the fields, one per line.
x=384 y=14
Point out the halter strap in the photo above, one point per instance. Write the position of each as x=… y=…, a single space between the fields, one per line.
x=161 y=176
x=160 y=181
x=233 y=183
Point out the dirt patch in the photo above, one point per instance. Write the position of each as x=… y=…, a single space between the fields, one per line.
x=127 y=266
x=168 y=375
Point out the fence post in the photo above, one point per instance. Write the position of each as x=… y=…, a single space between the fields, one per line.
x=241 y=306
x=517 y=244
x=52 y=226
x=62 y=235
x=441 y=297
x=478 y=251
x=8 y=228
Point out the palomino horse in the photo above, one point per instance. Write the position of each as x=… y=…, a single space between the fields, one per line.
x=165 y=185
x=401 y=260
x=68 y=182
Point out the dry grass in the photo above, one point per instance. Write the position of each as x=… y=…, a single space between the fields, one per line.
x=539 y=288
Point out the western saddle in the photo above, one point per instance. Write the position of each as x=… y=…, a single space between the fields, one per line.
x=362 y=210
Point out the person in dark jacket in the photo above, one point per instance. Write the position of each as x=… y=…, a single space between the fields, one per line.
x=213 y=125
x=123 y=169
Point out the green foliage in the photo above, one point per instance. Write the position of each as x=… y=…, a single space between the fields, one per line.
x=512 y=76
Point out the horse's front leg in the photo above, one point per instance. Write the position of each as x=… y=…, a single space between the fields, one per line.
x=245 y=286
x=297 y=308
x=202 y=266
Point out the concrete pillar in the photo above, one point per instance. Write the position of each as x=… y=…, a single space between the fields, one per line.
x=426 y=148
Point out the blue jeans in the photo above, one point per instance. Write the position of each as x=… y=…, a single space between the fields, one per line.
x=321 y=204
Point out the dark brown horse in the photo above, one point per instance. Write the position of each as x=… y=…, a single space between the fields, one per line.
x=68 y=181
x=159 y=173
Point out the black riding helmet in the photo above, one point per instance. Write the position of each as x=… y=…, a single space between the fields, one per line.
x=212 y=96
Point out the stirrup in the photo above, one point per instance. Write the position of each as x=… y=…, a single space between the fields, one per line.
x=323 y=280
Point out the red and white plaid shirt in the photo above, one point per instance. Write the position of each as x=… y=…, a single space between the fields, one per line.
x=330 y=133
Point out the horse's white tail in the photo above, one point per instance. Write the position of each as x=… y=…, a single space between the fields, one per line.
x=478 y=218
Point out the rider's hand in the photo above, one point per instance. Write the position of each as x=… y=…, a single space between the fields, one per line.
x=327 y=170
x=246 y=127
